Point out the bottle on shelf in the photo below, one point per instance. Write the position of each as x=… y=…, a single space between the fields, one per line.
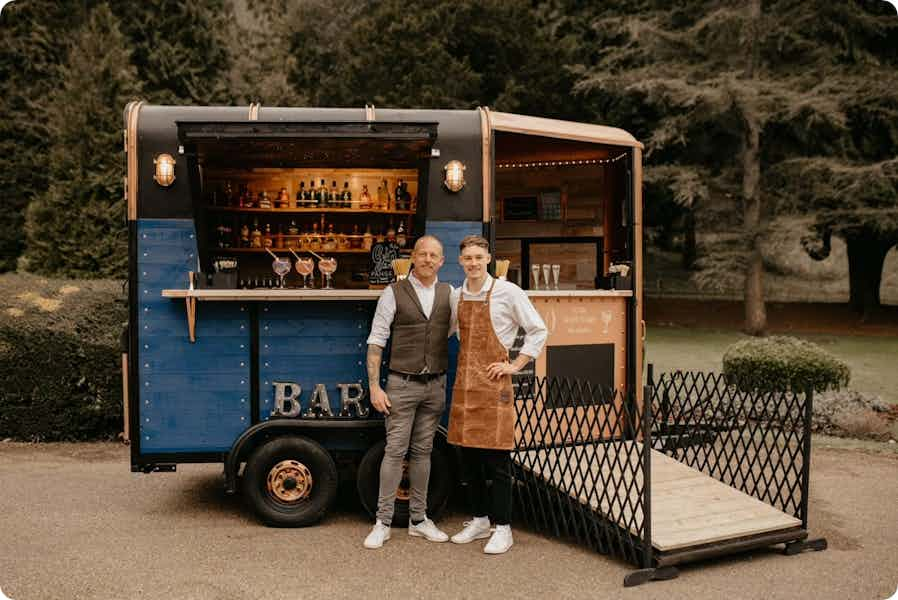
x=330 y=240
x=388 y=204
x=336 y=199
x=255 y=236
x=227 y=194
x=301 y=195
x=391 y=232
x=355 y=242
x=365 y=198
x=223 y=233
x=247 y=198
x=315 y=238
x=398 y=197
x=381 y=198
x=400 y=235
x=309 y=195
x=292 y=229
x=283 y=200
x=264 y=200
x=347 y=197
x=368 y=238
x=317 y=199
x=279 y=237
x=267 y=237
x=325 y=195
x=244 y=235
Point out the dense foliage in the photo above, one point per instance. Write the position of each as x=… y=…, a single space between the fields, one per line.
x=758 y=118
x=783 y=363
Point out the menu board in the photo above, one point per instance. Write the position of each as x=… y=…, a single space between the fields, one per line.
x=528 y=372
x=382 y=256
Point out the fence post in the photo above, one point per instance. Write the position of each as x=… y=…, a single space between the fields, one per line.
x=806 y=454
x=648 y=391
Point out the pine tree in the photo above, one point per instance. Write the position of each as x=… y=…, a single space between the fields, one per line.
x=34 y=38
x=77 y=228
x=180 y=49
x=729 y=95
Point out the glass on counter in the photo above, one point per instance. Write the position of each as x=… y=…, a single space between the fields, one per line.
x=305 y=267
x=327 y=266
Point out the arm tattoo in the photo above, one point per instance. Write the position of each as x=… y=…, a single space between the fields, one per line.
x=375 y=353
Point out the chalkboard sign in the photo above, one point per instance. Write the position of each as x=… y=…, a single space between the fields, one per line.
x=593 y=363
x=520 y=208
x=528 y=372
x=382 y=256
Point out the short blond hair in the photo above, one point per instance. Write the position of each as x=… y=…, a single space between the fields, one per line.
x=474 y=240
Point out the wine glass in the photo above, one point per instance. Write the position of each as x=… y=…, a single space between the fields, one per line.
x=327 y=266
x=305 y=266
x=281 y=266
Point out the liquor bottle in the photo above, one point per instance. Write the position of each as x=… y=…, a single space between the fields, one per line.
x=267 y=237
x=391 y=232
x=381 y=197
x=283 y=200
x=388 y=204
x=356 y=240
x=264 y=201
x=317 y=198
x=227 y=194
x=343 y=241
x=224 y=234
x=315 y=238
x=330 y=240
x=367 y=239
x=292 y=229
x=244 y=235
x=400 y=235
x=301 y=195
x=398 y=196
x=325 y=196
x=336 y=199
x=248 y=198
x=365 y=198
x=255 y=236
x=279 y=237
x=347 y=196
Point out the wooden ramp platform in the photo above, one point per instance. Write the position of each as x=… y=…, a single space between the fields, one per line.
x=688 y=508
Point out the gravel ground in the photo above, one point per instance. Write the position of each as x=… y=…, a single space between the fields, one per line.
x=75 y=523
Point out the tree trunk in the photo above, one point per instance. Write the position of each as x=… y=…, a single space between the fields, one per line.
x=755 y=310
x=866 y=257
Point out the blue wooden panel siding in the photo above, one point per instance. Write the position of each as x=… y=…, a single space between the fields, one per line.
x=193 y=397
x=310 y=343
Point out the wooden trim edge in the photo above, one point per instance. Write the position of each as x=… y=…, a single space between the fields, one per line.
x=132 y=112
x=486 y=136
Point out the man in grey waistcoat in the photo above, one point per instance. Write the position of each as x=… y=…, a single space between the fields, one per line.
x=416 y=313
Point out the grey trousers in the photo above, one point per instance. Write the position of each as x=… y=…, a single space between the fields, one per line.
x=415 y=412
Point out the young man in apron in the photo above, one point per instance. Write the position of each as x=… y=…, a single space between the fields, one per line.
x=416 y=313
x=482 y=418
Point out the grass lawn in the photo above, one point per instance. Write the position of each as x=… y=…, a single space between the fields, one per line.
x=874 y=368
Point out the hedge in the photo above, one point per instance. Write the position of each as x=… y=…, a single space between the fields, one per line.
x=60 y=358
x=783 y=363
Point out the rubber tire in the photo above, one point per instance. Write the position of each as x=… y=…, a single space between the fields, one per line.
x=438 y=488
x=305 y=512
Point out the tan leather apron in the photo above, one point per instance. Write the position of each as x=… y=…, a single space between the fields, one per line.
x=483 y=413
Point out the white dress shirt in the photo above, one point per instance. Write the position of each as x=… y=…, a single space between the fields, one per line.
x=510 y=309
x=386 y=309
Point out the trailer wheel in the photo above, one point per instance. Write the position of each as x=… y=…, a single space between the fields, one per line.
x=290 y=481
x=438 y=488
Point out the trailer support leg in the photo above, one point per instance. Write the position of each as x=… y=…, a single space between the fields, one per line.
x=645 y=575
x=799 y=546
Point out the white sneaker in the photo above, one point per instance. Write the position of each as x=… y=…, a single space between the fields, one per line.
x=476 y=529
x=380 y=533
x=501 y=540
x=427 y=530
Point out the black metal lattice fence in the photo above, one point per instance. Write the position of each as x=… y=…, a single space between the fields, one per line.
x=580 y=473
x=582 y=462
x=758 y=443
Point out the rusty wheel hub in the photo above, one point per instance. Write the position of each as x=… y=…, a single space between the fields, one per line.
x=289 y=481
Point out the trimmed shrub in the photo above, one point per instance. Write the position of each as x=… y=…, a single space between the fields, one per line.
x=783 y=363
x=60 y=358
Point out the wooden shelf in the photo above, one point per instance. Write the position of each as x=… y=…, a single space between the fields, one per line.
x=286 y=251
x=327 y=210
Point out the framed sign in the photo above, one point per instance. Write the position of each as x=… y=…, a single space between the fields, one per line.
x=382 y=256
x=520 y=208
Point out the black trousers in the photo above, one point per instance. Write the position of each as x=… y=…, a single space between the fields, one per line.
x=478 y=466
